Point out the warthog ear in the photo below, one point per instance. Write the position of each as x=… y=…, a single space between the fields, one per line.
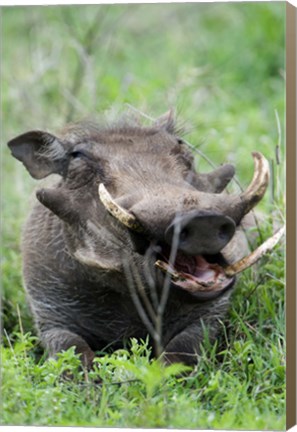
x=40 y=152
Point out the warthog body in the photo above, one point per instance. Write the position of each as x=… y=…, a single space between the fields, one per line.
x=90 y=274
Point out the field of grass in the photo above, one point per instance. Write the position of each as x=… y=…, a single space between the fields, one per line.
x=221 y=66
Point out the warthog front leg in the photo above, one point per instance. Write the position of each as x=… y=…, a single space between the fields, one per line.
x=57 y=340
x=185 y=346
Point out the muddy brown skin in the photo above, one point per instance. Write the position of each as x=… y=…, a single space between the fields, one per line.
x=75 y=251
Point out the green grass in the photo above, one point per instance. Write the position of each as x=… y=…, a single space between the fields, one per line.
x=222 y=67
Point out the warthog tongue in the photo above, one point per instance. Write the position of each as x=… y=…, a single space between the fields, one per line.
x=197 y=275
x=200 y=275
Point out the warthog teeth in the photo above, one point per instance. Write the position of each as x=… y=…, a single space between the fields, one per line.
x=225 y=273
x=117 y=211
x=253 y=257
x=165 y=268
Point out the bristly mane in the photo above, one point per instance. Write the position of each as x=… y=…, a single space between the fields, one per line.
x=135 y=124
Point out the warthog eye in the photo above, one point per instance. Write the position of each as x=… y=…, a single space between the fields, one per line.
x=77 y=154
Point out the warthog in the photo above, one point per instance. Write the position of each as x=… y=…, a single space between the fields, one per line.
x=131 y=241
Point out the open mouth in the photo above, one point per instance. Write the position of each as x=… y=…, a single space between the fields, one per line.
x=203 y=274
x=207 y=276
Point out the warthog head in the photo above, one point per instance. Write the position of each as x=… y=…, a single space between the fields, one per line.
x=134 y=211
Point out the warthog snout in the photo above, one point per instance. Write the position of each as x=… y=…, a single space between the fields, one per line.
x=201 y=233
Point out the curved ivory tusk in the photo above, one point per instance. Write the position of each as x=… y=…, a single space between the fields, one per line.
x=252 y=258
x=117 y=211
x=257 y=188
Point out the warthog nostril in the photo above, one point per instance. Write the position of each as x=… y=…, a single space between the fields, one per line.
x=201 y=233
x=183 y=235
x=226 y=231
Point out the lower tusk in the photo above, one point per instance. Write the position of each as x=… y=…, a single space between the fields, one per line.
x=165 y=268
x=117 y=211
x=252 y=258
